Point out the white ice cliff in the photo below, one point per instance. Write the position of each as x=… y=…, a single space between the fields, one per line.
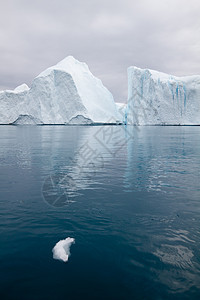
x=155 y=98
x=66 y=93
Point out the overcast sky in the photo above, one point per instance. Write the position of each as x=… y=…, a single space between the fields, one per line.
x=108 y=35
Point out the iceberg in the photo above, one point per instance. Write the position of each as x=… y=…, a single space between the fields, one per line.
x=156 y=98
x=66 y=93
x=61 y=251
x=122 y=110
x=12 y=104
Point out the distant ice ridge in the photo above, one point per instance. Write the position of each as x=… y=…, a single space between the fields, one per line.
x=66 y=93
x=122 y=109
x=155 y=98
x=61 y=251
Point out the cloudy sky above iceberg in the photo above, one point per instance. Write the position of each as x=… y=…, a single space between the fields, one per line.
x=108 y=35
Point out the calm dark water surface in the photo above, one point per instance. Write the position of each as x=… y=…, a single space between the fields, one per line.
x=129 y=196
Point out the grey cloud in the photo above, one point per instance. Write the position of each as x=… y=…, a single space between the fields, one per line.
x=108 y=35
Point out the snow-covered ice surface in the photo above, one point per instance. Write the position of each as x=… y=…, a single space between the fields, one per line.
x=66 y=93
x=61 y=251
x=21 y=88
x=156 y=98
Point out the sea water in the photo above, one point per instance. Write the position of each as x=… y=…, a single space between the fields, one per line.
x=129 y=196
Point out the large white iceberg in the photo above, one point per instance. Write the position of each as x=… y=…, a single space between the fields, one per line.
x=156 y=98
x=66 y=93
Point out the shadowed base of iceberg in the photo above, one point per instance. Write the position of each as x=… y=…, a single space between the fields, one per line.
x=61 y=251
x=67 y=124
x=78 y=121
x=27 y=120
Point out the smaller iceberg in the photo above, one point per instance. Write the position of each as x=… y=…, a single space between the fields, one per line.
x=156 y=98
x=61 y=251
x=122 y=110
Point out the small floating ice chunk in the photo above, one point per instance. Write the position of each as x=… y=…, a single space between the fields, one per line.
x=61 y=251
